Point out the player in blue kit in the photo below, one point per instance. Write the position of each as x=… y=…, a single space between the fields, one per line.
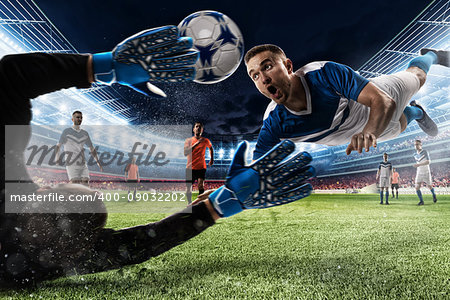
x=423 y=175
x=329 y=103
x=384 y=174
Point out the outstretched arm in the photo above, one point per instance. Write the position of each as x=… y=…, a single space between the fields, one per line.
x=117 y=248
x=264 y=183
x=382 y=108
x=211 y=154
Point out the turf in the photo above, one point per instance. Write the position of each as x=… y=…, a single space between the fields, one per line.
x=323 y=247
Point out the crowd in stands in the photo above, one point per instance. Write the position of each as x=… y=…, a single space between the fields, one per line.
x=440 y=174
x=390 y=147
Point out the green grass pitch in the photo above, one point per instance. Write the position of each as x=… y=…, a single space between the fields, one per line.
x=322 y=247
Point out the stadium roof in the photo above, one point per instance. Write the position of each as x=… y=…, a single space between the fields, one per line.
x=25 y=28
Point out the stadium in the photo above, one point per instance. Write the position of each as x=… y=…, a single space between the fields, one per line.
x=337 y=243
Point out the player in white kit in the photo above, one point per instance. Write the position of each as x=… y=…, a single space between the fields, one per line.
x=74 y=138
x=423 y=175
x=384 y=174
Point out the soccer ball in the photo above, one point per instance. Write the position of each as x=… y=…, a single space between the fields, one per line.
x=219 y=41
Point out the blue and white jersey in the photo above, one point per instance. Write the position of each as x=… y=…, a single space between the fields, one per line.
x=332 y=116
x=384 y=169
x=421 y=157
x=74 y=141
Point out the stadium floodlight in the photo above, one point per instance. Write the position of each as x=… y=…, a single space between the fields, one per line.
x=221 y=153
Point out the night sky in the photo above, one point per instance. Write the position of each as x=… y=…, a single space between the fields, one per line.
x=349 y=32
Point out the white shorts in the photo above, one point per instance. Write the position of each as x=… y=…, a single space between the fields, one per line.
x=401 y=87
x=385 y=182
x=77 y=172
x=424 y=177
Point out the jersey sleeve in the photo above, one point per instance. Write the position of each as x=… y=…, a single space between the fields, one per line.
x=267 y=139
x=88 y=141
x=63 y=137
x=344 y=80
x=208 y=144
x=187 y=143
x=427 y=156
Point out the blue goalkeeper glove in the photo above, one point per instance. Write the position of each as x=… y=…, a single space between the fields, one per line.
x=265 y=182
x=153 y=55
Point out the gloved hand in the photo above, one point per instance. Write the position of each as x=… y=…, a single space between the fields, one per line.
x=153 y=55
x=265 y=182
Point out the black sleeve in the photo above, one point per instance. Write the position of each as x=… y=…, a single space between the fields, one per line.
x=26 y=76
x=109 y=249
x=117 y=248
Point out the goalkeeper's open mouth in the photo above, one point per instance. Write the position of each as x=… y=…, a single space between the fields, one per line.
x=274 y=92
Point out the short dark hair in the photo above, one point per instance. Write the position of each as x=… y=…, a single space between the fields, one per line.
x=418 y=141
x=201 y=124
x=77 y=112
x=385 y=154
x=262 y=48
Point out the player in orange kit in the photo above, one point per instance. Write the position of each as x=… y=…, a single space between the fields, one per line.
x=395 y=180
x=132 y=177
x=194 y=149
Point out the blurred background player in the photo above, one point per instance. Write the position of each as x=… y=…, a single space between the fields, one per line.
x=384 y=174
x=194 y=149
x=423 y=175
x=132 y=177
x=395 y=180
x=329 y=103
x=74 y=138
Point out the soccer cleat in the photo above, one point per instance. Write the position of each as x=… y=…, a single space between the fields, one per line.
x=434 y=199
x=426 y=123
x=381 y=202
x=387 y=203
x=420 y=203
x=443 y=56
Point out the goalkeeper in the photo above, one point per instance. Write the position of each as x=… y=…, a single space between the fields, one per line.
x=36 y=247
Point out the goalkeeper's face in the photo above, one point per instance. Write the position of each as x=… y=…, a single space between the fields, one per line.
x=271 y=75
